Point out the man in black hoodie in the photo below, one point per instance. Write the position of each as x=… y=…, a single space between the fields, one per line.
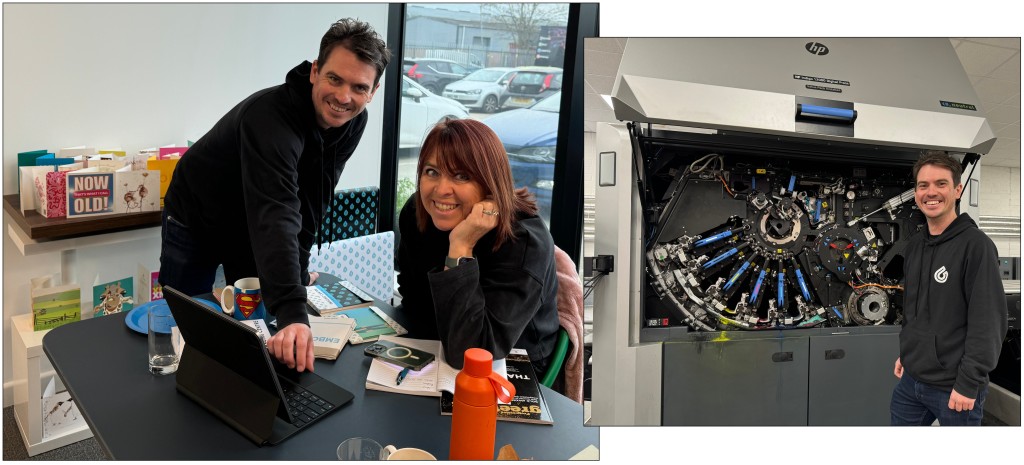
x=954 y=307
x=251 y=194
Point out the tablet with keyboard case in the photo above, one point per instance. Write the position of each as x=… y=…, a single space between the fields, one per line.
x=225 y=367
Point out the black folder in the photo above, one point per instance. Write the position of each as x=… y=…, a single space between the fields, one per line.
x=225 y=367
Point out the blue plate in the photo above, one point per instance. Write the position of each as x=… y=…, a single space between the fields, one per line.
x=209 y=303
x=138 y=318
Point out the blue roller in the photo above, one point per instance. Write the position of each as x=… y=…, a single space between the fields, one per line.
x=803 y=285
x=716 y=237
x=757 y=287
x=817 y=210
x=719 y=258
x=782 y=289
x=792 y=182
x=736 y=276
x=827 y=111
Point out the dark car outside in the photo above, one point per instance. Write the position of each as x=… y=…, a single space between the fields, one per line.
x=433 y=73
x=529 y=136
x=532 y=84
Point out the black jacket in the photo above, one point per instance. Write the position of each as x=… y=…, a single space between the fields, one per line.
x=259 y=182
x=954 y=308
x=501 y=300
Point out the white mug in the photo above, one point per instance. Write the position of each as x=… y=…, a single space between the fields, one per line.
x=408 y=453
x=244 y=301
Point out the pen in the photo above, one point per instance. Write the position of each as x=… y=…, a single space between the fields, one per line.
x=401 y=376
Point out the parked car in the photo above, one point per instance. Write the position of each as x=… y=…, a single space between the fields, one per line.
x=421 y=110
x=433 y=73
x=529 y=136
x=532 y=84
x=483 y=89
x=469 y=60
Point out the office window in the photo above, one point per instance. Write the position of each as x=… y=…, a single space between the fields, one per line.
x=497 y=63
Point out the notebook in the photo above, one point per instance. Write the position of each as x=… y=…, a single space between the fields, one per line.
x=335 y=297
x=225 y=367
x=429 y=381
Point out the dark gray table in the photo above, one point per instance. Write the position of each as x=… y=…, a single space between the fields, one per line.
x=138 y=416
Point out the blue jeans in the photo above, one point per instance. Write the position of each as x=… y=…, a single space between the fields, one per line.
x=919 y=404
x=188 y=261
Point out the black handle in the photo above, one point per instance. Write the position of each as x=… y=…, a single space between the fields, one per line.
x=835 y=354
x=782 y=357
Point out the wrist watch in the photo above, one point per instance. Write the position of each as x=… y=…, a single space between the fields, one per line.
x=454 y=262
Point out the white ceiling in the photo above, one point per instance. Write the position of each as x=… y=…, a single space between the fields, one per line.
x=993 y=65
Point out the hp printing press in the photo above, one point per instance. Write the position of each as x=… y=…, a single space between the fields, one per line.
x=757 y=196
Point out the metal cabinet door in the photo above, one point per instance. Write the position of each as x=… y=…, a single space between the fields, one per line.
x=737 y=382
x=851 y=378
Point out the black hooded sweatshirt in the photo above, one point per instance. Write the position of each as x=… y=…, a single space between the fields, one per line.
x=258 y=183
x=954 y=308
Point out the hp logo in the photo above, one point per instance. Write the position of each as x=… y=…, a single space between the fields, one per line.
x=816 y=48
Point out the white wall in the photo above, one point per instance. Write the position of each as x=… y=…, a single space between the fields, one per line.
x=143 y=75
x=999 y=195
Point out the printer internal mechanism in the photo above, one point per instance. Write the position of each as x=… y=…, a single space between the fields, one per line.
x=752 y=242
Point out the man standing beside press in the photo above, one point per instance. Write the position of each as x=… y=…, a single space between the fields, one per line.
x=954 y=307
x=252 y=193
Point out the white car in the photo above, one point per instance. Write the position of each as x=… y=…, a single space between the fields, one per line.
x=484 y=89
x=421 y=110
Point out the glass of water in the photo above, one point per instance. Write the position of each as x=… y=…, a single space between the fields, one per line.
x=361 y=449
x=163 y=358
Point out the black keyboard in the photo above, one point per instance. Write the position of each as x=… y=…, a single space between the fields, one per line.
x=304 y=406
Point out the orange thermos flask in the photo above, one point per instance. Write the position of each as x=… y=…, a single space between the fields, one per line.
x=475 y=408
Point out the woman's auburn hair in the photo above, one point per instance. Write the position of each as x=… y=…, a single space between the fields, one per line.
x=469 y=146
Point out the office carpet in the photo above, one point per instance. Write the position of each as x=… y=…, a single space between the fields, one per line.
x=14 y=447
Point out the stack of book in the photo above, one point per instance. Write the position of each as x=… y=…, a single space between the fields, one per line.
x=330 y=334
x=343 y=298
x=528 y=405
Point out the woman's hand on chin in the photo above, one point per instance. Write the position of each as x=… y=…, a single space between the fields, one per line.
x=465 y=235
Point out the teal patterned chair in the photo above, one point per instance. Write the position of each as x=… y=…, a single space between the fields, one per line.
x=352 y=213
x=351 y=250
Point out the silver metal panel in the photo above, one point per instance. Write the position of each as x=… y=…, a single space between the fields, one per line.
x=703 y=105
x=897 y=86
x=745 y=380
x=905 y=127
x=626 y=383
x=850 y=378
x=1003 y=404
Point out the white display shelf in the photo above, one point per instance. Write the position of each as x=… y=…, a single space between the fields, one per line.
x=27 y=353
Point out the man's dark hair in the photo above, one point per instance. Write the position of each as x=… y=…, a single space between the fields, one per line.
x=942 y=160
x=359 y=38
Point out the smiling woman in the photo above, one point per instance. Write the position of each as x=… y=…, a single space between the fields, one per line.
x=443 y=43
x=477 y=263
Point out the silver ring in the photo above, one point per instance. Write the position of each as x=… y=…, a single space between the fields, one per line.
x=491 y=212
